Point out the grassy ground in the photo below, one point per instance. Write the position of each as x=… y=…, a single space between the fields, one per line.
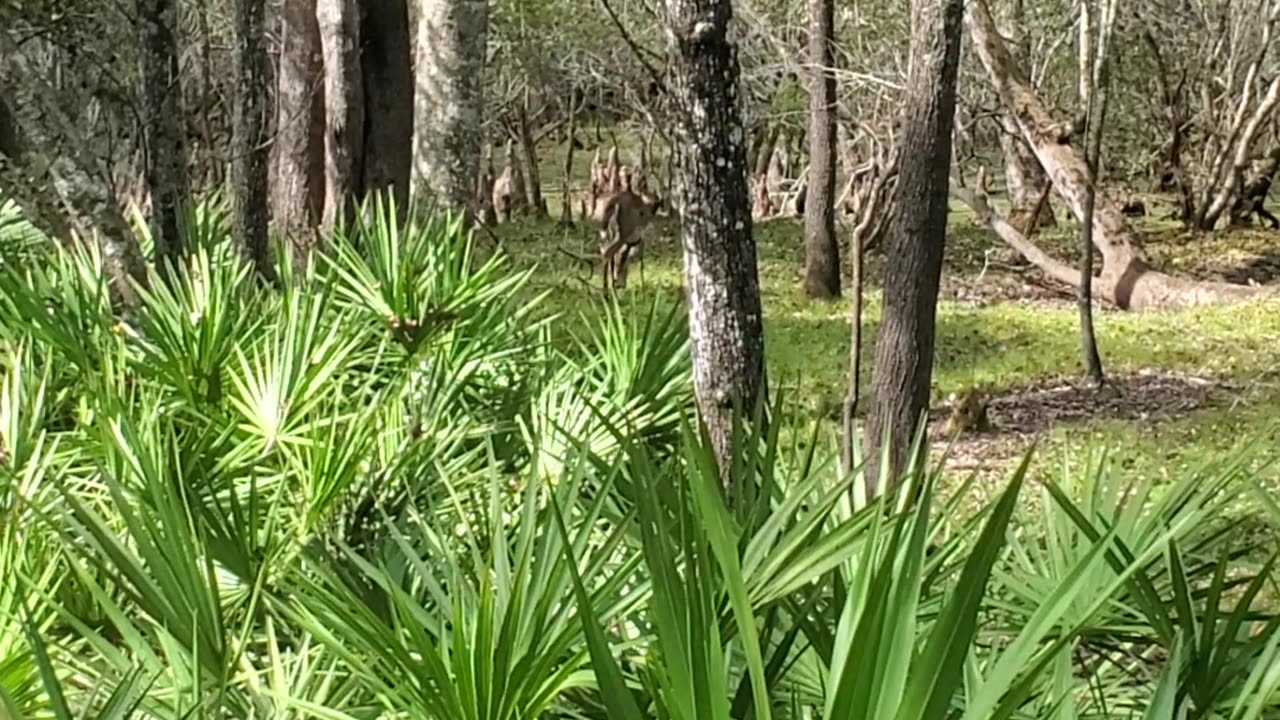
x=1191 y=385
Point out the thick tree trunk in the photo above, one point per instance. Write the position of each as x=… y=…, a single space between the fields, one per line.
x=59 y=162
x=297 y=183
x=249 y=157
x=721 y=282
x=821 y=251
x=166 y=149
x=448 y=104
x=339 y=22
x=1125 y=278
x=388 y=95
x=903 y=367
x=33 y=195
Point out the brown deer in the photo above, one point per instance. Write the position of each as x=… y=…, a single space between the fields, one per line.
x=623 y=216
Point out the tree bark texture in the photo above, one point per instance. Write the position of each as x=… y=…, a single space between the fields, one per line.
x=720 y=275
x=529 y=152
x=1257 y=187
x=298 y=185
x=166 y=148
x=249 y=157
x=1125 y=279
x=821 y=251
x=448 y=99
x=1025 y=179
x=903 y=367
x=386 y=58
x=59 y=163
x=339 y=22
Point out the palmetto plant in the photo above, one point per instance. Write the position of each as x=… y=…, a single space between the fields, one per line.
x=382 y=490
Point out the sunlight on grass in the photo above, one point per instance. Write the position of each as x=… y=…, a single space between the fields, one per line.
x=1001 y=344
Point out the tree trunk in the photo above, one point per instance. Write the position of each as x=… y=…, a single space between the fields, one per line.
x=339 y=22
x=166 y=150
x=32 y=194
x=297 y=186
x=1126 y=279
x=388 y=95
x=529 y=151
x=448 y=105
x=903 y=367
x=566 y=209
x=1025 y=180
x=1094 y=80
x=1233 y=175
x=821 y=251
x=59 y=162
x=1257 y=188
x=721 y=282
x=249 y=156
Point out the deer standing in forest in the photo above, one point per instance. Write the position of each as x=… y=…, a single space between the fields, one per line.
x=623 y=216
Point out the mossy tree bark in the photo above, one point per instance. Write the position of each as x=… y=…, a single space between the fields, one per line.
x=720 y=274
x=53 y=166
x=165 y=126
x=449 y=100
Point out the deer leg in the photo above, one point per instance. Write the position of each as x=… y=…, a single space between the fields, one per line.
x=620 y=267
x=610 y=260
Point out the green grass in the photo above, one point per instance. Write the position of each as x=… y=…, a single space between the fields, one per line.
x=998 y=328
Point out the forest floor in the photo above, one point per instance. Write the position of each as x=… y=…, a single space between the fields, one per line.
x=1189 y=387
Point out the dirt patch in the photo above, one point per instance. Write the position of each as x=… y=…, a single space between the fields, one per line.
x=1023 y=415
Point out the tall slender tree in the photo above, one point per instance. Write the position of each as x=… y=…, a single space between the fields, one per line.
x=448 y=104
x=249 y=158
x=821 y=251
x=1094 y=91
x=166 y=148
x=720 y=274
x=903 y=368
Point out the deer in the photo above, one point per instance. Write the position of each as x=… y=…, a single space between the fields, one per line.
x=623 y=215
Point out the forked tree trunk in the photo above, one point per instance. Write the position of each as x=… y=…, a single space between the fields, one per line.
x=903 y=366
x=1257 y=187
x=249 y=156
x=1125 y=279
x=297 y=162
x=344 y=110
x=821 y=251
x=721 y=282
x=166 y=149
x=448 y=104
x=386 y=62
